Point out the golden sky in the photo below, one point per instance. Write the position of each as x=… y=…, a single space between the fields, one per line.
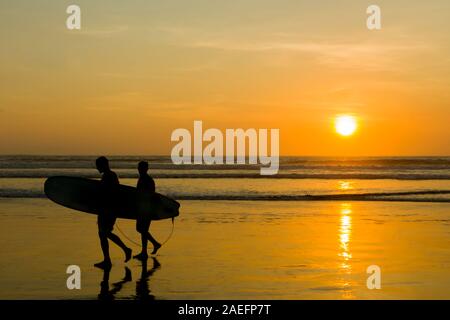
x=139 y=69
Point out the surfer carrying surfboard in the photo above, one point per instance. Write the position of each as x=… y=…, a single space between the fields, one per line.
x=106 y=219
x=145 y=184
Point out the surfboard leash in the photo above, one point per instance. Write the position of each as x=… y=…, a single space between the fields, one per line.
x=138 y=244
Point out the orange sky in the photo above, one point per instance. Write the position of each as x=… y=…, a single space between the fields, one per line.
x=138 y=70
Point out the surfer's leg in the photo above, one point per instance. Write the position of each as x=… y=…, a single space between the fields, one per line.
x=109 y=221
x=102 y=235
x=156 y=244
x=105 y=245
x=152 y=240
x=143 y=256
x=144 y=243
x=106 y=263
x=114 y=238
x=141 y=228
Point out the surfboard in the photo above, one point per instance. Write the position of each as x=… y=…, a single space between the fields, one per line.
x=125 y=202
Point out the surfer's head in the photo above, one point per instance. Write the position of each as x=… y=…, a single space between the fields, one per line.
x=102 y=164
x=143 y=167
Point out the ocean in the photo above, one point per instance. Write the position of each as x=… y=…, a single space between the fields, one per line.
x=310 y=232
x=299 y=178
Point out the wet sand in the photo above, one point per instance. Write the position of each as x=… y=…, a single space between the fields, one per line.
x=235 y=250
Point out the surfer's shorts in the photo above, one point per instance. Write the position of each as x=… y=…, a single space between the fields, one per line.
x=105 y=222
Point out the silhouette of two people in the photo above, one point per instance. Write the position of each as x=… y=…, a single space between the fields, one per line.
x=107 y=218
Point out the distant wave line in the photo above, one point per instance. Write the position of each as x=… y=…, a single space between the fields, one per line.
x=322 y=176
x=380 y=196
x=223 y=167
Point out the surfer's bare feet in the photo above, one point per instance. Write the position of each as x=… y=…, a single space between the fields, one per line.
x=141 y=256
x=127 y=254
x=156 y=247
x=105 y=265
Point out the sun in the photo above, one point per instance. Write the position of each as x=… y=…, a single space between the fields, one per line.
x=345 y=125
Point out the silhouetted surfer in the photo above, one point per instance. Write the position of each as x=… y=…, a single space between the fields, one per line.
x=106 y=219
x=147 y=185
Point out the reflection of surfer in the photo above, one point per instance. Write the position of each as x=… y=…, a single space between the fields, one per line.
x=145 y=185
x=105 y=292
x=142 y=289
x=143 y=292
x=106 y=219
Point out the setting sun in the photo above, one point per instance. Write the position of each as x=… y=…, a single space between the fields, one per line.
x=345 y=125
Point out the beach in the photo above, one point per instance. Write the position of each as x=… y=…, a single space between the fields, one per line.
x=237 y=250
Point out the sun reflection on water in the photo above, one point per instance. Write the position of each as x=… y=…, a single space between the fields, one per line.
x=345 y=185
x=345 y=231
